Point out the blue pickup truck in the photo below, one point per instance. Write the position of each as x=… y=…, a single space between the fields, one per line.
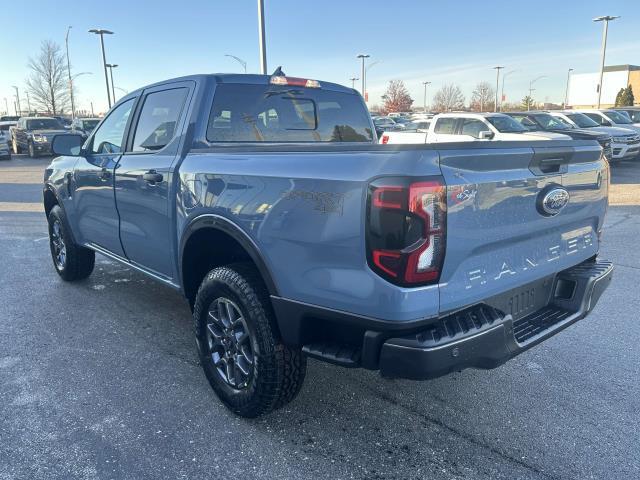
x=268 y=203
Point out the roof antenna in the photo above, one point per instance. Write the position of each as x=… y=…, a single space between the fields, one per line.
x=278 y=73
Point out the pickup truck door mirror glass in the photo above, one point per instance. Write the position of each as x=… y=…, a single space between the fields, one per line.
x=67 y=144
x=110 y=136
x=485 y=135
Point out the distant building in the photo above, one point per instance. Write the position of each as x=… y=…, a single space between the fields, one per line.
x=583 y=87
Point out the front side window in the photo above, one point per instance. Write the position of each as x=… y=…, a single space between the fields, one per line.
x=526 y=122
x=446 y=126
x=273 y=113
x=158 y=119
x=505 y=124
x=582 y=120
x=473 y=127
x=596 y=117
x=634 y=115
x=617 y=117
x=109 y=137
x=550 y=122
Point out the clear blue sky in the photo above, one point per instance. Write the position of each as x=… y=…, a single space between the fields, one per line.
x=442 y=42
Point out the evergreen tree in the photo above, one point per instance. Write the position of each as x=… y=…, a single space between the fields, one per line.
x=619 y=97
x=626 y=100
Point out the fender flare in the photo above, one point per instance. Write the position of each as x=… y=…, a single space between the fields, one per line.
x=217 y=222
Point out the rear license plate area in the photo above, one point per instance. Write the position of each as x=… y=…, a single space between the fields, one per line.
x=524 y=300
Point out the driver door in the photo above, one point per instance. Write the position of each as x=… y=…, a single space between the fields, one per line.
x=96 y=217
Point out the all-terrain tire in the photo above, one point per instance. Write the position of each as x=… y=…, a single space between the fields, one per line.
x=277 y=372
x=71 y=261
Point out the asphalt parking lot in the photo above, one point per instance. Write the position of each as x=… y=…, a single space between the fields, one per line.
x=100 y=379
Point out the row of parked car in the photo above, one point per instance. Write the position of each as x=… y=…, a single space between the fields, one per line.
x=616 y=130
x=34 y=134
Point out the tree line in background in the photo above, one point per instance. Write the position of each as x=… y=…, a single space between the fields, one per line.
x=450 y=97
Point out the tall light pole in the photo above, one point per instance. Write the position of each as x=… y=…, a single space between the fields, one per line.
x=424 y=101
x=111 y=66
x=6 y=106
x=502 y=91
x=531 y=89
x=261 y=39
x=497 y=69
x=353 y=82
x=102 y=33
x=17 y=99
x=566 y=91
x=239 y=60
x=362 y=56
x=73 y=105
x=606 y=19
x=28 y=103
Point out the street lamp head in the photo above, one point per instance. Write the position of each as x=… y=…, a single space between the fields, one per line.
x=497 y=68
x=100 y=31
x=426 y=83
x=606 y=18
x=111 y=65
x=362 y=55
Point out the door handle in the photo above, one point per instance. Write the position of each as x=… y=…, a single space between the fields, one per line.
x=152 y=177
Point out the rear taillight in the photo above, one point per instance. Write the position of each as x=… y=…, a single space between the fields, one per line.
x=385 y=139
x=406 y=228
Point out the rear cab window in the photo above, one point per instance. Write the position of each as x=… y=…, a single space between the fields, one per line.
x=274 y=113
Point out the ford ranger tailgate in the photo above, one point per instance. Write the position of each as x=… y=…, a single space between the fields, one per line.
x=516 y=216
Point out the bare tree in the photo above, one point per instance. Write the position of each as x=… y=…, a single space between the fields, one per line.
x=483 y=98
x=448 y=98
x=397 y=98
x=47 y=83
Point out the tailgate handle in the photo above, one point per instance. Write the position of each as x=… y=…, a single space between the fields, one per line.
x=551 y=165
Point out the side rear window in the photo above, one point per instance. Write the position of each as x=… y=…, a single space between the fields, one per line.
x=595 y=117
x=446 y=125
x=272 y=113
x=158 y=119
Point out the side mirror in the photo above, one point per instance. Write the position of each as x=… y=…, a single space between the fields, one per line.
x=67 y=144
x=485 y=135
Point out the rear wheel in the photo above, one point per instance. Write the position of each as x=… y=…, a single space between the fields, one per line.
x=71 y=261
x=246 y=363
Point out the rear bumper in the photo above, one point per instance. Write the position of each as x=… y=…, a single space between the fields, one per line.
x=479 y=336
x=484 y=337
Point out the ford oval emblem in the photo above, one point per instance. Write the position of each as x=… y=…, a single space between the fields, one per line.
x=553 y=201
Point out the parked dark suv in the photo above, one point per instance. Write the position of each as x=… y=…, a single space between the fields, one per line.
x=543 y=121
x=34 y=134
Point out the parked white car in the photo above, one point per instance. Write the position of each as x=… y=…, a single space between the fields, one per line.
x=625 y=142
x=469 y=127
x=611 y=118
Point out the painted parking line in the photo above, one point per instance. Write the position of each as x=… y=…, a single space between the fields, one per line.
x=21 y=207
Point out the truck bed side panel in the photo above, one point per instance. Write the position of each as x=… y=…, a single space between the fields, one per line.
x=305 y=210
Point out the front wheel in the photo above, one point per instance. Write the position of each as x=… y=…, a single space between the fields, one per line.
x=32 y=150
x=246 y=363
x=16 y=148
x=72 y=262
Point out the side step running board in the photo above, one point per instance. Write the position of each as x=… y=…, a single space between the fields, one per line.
x=343 y=355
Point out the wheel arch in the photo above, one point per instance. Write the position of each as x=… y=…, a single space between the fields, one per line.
x=220 y=229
